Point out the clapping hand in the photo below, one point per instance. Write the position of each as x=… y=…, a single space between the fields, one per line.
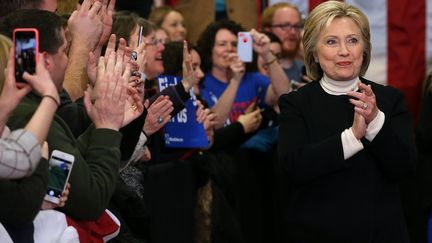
x=158 y=114
x=364 y=102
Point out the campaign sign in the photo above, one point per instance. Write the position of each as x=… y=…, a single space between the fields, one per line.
x=183 y=130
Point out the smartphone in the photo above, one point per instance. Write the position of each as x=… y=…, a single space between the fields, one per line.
x=26 y=49
x=60 y=168
x=244 y=46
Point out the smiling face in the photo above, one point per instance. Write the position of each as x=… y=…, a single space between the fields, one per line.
x=154 y=65
x=225 y=43
x=174 y=25
x=340 y=48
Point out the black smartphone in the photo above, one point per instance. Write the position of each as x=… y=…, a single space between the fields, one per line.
x=26 y=48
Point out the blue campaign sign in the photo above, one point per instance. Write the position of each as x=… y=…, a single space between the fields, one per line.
x=183 y=130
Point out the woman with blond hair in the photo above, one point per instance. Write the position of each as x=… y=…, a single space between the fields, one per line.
x=344 y=142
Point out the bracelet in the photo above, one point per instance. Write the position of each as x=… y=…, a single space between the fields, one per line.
x=52 y=97
x=270 y=62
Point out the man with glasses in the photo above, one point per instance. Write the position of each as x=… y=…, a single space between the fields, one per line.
x=284 y=20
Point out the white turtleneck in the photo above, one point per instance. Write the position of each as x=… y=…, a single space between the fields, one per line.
x=350 y=144
x=334 y=87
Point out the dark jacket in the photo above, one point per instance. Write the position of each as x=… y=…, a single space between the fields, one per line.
x=95 y=170
x=335 y=200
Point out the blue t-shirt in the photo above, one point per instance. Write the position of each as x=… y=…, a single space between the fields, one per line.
x=253 y=88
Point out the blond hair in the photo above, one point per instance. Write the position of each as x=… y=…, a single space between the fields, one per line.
x=268 y=13
x=66 y=7
x=318 y=20
x=5 y=46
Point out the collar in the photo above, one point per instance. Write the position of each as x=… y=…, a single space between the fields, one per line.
x=334 y=87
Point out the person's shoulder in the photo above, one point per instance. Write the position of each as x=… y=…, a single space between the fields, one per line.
x=209 y=79
x=380 y=89
x=305 y=92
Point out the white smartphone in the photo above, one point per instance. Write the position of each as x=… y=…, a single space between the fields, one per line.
x=60 y=167
x=244 y=46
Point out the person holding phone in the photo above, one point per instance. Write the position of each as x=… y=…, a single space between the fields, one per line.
x=22 y=149
x=231 y=90
x=227 y=86
x=96 y=152
x=345 y=142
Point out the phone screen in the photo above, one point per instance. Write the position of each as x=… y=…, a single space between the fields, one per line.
x=59 y=170
x=25 y=42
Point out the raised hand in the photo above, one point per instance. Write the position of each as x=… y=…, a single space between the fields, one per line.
x=364 y=102
x=85 y=24
x=201 y=112
x=237 y=68
x=189 y=75
x=158 y=114
x=261 y=42
x=108 y=110
x=250 y=121
x=359 y=125
x=106 y=15
x=12 y=92
x=141 y=56
x=134 y=106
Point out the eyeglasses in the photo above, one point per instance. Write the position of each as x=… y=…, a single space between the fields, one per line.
x=288 y=26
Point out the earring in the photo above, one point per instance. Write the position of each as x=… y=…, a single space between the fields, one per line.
x=316 y=60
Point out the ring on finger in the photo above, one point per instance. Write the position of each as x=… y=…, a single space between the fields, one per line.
x=365 y=105
x=159 y=120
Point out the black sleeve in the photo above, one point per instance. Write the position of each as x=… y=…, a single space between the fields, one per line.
x=305 y=159
x=21 y=199
x=424 y=127
x=394 y=147
x=131 y=134
x=229 y=137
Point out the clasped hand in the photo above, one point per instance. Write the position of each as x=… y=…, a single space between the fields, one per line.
x=365 y=108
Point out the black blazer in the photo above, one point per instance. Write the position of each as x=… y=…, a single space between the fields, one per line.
x=335 y=200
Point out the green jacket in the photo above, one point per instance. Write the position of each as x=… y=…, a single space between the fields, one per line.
x=95 y=170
